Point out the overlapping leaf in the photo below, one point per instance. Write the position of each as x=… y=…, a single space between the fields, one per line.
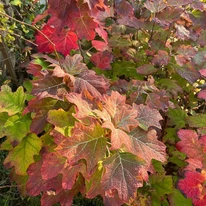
x=17 y=127
x=73 y=64
x=94 y=84
x=155 y=6
x=49 y=41
x=85 y=104
x=10 y=102
x=193 y=187
x=62 y=120
x=40 y=108
x=148 y=117
x=102 y=60
x=23 y=154
x=192 y=146
x=123 y=173
x=146 y=146
x=52 y=165
x=87 y=142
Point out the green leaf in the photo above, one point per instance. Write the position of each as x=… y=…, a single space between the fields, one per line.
x=158 y=166
x=12 y=102
x=178 y=158
x=177 y=117
x=63 y=121
x=16 y=2
x=17 y=127
x=197 y=120
x=6 y=145
x=177 y=199
x=3 y=118
x=23 y=154
x=161 y=185
x=124 y=68
x=171 y=135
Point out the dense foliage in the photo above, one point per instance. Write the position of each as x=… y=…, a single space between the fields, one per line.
x=116 y=105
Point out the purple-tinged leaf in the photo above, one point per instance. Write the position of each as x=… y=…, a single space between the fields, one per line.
x=148 y=117
x=155 y=6
x=73 y=64
x=123 y=173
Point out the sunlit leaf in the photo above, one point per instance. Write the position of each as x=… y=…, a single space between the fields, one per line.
x=10 y=102
x=122 y=174
x=23 y=154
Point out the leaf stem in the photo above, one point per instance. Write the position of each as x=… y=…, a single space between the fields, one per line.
x=35 y=28
x=19 y=37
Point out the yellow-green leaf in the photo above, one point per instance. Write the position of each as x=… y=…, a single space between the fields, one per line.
x=12 y=102
x=23 y=154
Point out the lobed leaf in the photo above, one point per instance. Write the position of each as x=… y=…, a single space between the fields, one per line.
x=148 y=117
x=146 y=146
x=122 y=173
x=12 y=102
x=23 y=154
x=86 y=142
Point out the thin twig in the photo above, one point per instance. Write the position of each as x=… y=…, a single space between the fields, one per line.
x=19 y=37
x=81 y=51
x=35 y=28
x=152 y=33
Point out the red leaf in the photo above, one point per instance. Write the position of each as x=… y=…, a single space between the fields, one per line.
x=131 y=22
x=70 y=175
x=187 y=51
x=159 y=99
x=99 y=45
x=64 y=197
x=102 y=33
x=95 y=4
x=49 y=86
x=125 y=118
x=193 y=186
x=87 y=142
x=148 y=117
x=191 y=145
x=35 y=183
x=122 y=174
x=52 y=165
x=169 y=15
x=75 y=16
x=51 y=40
x=102 y=60
x=161 y=59
x=181 y=32
x=118 y=137
x=203 y=72
x=65 y=42
x=85 y=27
x=44 y=42
x=202 y=94
x=94 y=84
x=39 y=17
